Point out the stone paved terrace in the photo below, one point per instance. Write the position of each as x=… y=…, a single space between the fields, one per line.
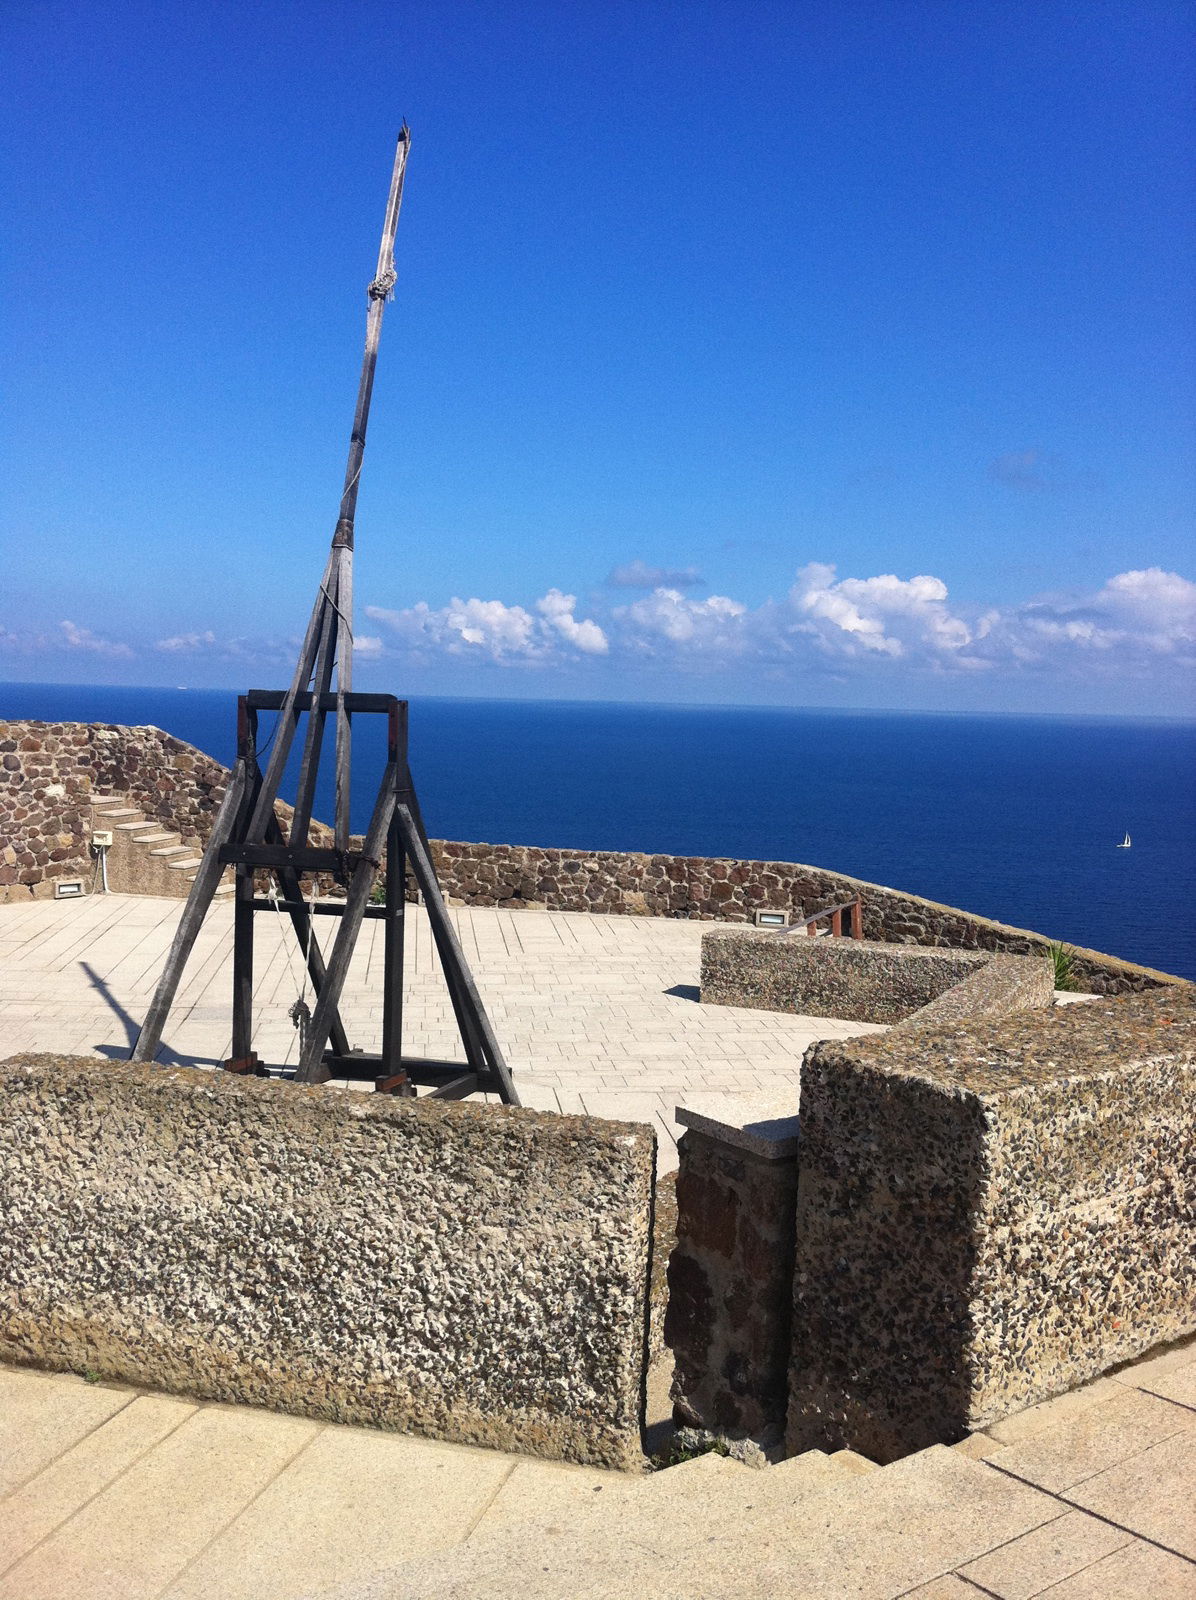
x=596 y=1014
x=110 y=1493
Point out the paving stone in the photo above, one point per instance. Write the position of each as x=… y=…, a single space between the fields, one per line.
x=1026 y=1566
x=950 y=1587
x=578 y=999
x=46 y=1501
x=1096 y=1439
x=838 y=1536
x=1171 y=1375
x=1049 y=1413
x=1136 y=1572
x=41 y=1417
x=141 y=1531
x=351 y=1502
x=1153 y=1494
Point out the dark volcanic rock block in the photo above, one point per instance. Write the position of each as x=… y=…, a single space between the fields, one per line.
x=989 y=1215
x=731 y=1273
x=466 y=1272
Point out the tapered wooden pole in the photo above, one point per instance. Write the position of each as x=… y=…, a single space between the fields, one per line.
x=379 y=291
x=335 y=594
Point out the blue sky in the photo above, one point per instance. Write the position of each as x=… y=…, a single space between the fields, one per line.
x=816 y=354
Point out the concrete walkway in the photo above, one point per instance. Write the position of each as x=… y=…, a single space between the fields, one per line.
x=596 y=1014
x=109 y=1493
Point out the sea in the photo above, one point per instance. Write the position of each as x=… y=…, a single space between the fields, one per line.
x=1014 y=817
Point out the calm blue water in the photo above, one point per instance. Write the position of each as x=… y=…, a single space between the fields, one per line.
x=1013 y=817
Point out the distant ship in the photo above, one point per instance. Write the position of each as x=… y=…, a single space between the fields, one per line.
x=1126 y=842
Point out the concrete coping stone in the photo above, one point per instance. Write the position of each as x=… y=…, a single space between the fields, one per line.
x=767 y=1126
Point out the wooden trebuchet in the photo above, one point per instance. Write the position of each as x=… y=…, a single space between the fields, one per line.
x=248 y=836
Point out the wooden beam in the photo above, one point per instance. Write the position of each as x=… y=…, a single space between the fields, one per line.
x=451 y=957
x=145 y=1046
x=311 y=1068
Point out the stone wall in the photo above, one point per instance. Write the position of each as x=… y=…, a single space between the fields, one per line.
x=862 y=980
x=470 y=1273
x=731 y=1269
x=711 y=889
x=44 y=825
x=48 y=771
x=181 y=787
x=989 y=1215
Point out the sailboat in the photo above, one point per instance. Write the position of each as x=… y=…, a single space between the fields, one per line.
x=1126 y=842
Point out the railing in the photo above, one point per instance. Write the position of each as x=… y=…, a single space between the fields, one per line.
x=835 y=913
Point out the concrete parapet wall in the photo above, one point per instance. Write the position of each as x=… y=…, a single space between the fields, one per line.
x=862 y=980
x=470 y=1273
x=988 y=1215
x=998 y=987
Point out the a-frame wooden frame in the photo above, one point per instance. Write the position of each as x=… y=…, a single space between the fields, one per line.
x=247 y=835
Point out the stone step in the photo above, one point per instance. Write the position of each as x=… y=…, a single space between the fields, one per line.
x=822 y=1531
x=134 y=827
x=110 y=813
x=172 y=850
x=188 y=863
x=161 y=837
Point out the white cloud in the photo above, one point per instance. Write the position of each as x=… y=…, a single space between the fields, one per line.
x=714 y=625
x=886 y=615
x=638 y=575
x=1135 y=619
x=507 y=635
x=846 y=624
x=186 y=643
x=78 y=638
x=22 y=643
x=557 y=609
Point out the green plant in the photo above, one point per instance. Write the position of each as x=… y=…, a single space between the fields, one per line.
x=90 y=1375
x=674 y=1454
x=1063 y=960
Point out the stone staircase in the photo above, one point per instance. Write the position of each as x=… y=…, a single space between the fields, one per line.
x=816 y=1525
x=145 y=857
x=108 y=1491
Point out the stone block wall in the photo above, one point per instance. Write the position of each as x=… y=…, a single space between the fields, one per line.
x=711 y=889
x=181 y=787
x=989 y=1215
x=44 y=826
x=731 y=1272
x=471 y=1273
x=50 y=770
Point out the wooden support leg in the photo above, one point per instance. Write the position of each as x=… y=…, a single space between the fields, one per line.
x=452 y=963
x=242 y=1045
x=305 y=790
x=288 y=717
x=452 y=960
x=311 y=1066
x=145 y=1047
x=344 y=684
x=392 y=975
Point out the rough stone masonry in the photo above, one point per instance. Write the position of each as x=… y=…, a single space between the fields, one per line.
x=472 y=1273
x=988 y=1215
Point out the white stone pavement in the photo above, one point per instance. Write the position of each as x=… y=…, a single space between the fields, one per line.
x=596 y=1014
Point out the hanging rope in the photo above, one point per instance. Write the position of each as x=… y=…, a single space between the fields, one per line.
x=300 y=1011
x=383 y=286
